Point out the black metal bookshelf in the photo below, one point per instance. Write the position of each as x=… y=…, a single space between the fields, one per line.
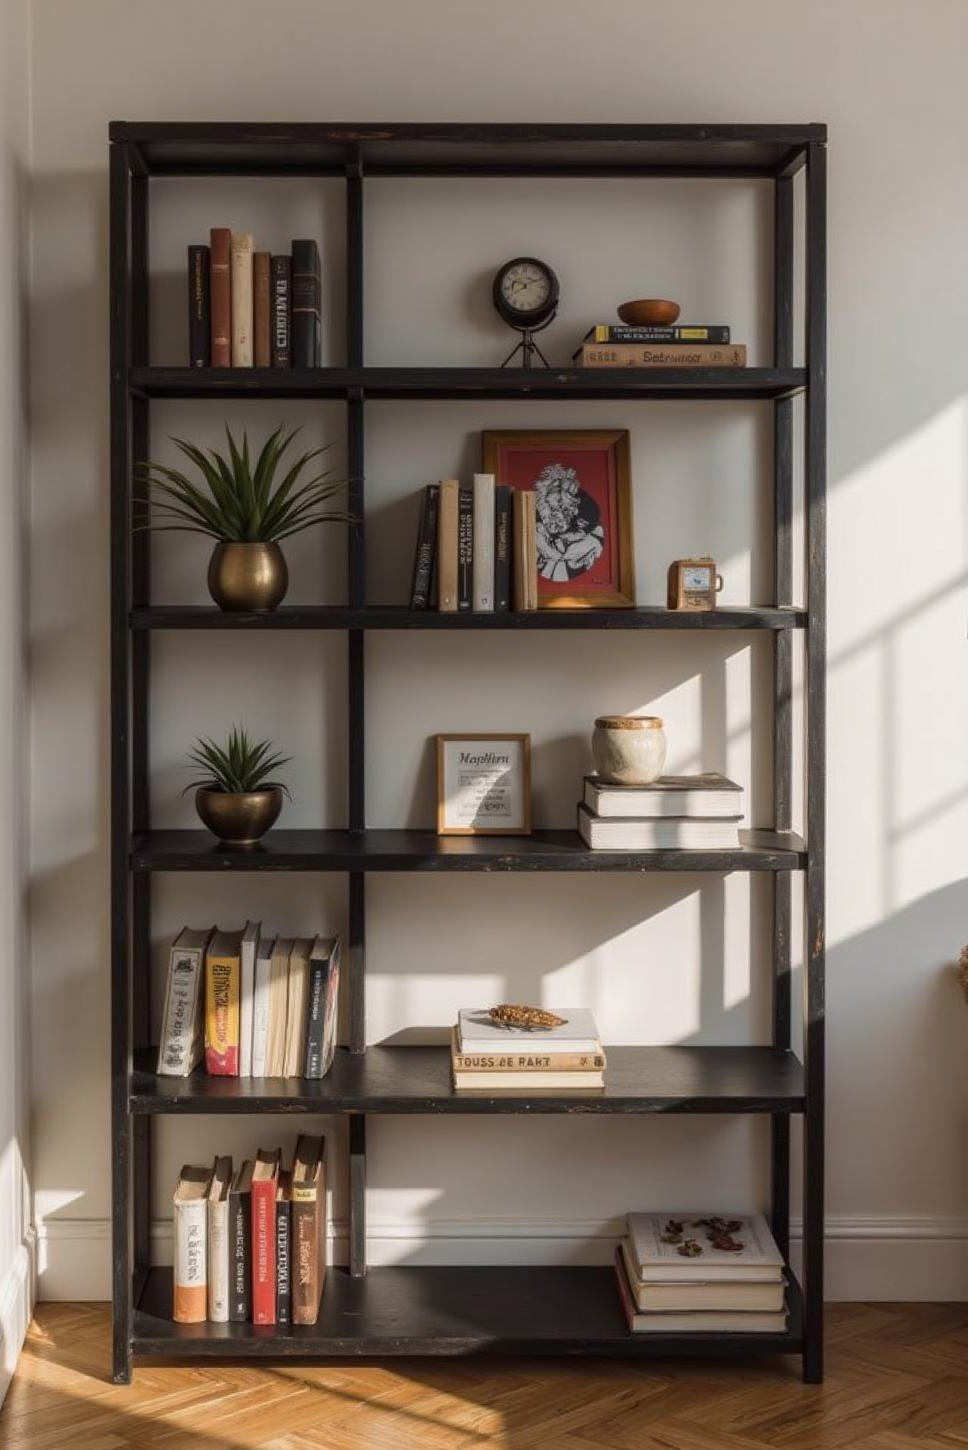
x=460 y=1310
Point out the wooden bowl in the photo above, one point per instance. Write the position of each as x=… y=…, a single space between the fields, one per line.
x=649 y=312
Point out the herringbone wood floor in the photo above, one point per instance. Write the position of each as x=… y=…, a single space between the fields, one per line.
x=897 y=1380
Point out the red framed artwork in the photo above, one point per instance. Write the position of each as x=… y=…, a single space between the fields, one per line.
x=584 y=508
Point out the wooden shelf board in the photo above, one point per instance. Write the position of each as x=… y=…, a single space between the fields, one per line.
x=447 y=1311
x=683 y=1079
x=377 y=850
x=336 y=616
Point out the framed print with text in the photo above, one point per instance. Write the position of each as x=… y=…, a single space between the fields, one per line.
x=584 y=508
x=483 y=785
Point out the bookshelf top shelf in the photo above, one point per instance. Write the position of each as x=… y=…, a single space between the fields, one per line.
x=385 y=149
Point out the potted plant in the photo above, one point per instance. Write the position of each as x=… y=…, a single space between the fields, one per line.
x=248 y=510
x=234 y=794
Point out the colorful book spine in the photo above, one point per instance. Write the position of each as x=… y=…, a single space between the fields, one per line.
x=502 y=548
x=264 y=1251
x=423 y=559
x=222 y=1011
x=691 y=332
x=199 y=307
x=242 y=299
x=261 y=309
x=280 y=320
x=190 y=1301
x=220 y=296
x=306 y=328
x=465 y=548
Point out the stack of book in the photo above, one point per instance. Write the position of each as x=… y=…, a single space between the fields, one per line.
x=486 y=1055
x=251 y=1246
x=699 y=345
x=687 y=1273
x=477 y=548
x=252 y=309
x=251 y=1005
x=693 y=812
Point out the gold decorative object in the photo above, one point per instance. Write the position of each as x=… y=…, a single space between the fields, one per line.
x=247 y=576
x=239 y=817
x=528 y=1019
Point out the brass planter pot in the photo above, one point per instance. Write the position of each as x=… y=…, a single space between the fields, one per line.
x=239 y=817
x=245 y=577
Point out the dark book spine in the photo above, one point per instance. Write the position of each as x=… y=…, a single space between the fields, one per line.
x=305 y=1259
x=199 y=308
x=426 y=551
x=261 y=309
x=465 y=548
x=283 y=1287
x=699 y=332
x=240 y=1230
x=306 y=305
x=502 y=548
x=280 y=318
x=314 y=1026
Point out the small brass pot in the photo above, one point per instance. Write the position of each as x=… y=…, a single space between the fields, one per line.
x=247 y=576
x=240 y=817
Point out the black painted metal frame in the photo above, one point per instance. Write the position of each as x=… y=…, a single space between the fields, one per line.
x=407 y=1311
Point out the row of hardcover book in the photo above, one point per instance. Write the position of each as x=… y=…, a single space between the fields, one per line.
x=477 y=547
x=250 y=1246
x=699 y=1272
x=252 y=309
x=690 y=345
x=251 y=1005
x=688 y=812
x=488 y=1056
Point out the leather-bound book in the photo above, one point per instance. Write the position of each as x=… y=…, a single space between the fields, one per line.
x=308 y=1240
x=265 y=1180
x=261 y=304
x=199 y=313
x=220 y=296
x=281 y=297
x=242 y=299
x=306 y=305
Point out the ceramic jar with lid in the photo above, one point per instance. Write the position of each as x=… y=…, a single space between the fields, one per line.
x=629 y=749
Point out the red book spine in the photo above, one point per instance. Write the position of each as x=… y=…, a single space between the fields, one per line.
x=264 y=1251
x=220 y=296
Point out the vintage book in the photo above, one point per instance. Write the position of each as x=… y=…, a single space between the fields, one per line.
x=660 y=355
x=524 y=543
x=265 y=1176
x=423 y=558
x=278 y=1007
x=659 y=1262
x=306 y=314
x=240 y=1244
x=682 y=332
x=465 y=548
x=483 y=543
x=502 y=548
x=219 y=1255
x=671 y=795
x=182 y=1041
x=222 y=967
x=321 y=1026
x=532 y=1081
x=261 y=309
x=242 y=302
x=280 y=317
x=447 y=545
x=247 y=956
x=283 y=1261
x=700 y=1293
x=190 y=1300
x=523 y=1060
x=477 y=1032
x=670 y=834
x=297 y=1014
x=199 y=307
x=308 y=1235
x=693 y=1321
x=260 y=1004
x=220 y=296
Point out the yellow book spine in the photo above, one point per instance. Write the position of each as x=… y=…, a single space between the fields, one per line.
x=222 y=1016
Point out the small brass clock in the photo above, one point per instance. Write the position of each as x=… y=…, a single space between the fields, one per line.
x=693 y=584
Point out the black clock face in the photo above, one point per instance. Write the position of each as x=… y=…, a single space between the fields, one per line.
x=526 y=292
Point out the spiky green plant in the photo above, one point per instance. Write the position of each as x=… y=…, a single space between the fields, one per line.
x=240 y=766
x=238 y=502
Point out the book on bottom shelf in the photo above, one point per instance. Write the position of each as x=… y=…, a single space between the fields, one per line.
x=240 y=1244
x=656 y=1238
x=190 y=1274
x=308 y=1231
x=265 y=1177
x=691 y=1321
x=219 y=1276
x=765 y=1295
x=283 y=1240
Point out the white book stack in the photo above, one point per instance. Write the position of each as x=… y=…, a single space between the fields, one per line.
x=695 y=1272
x=684 y=812
x=486 y=1054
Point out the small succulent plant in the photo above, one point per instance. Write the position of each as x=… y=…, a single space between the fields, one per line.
x=241 y=766
x=240 y=502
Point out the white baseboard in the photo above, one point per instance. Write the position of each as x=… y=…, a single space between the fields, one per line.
x=16 y=1308
x=867 y=1258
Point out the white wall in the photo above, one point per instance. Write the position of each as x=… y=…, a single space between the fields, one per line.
x=652 y=956
x=15 y=1240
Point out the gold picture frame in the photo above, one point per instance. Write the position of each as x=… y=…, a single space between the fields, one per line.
x=460 y=803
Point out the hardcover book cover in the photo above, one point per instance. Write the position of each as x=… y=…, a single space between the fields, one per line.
x=222 y=970
x=199 y=307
